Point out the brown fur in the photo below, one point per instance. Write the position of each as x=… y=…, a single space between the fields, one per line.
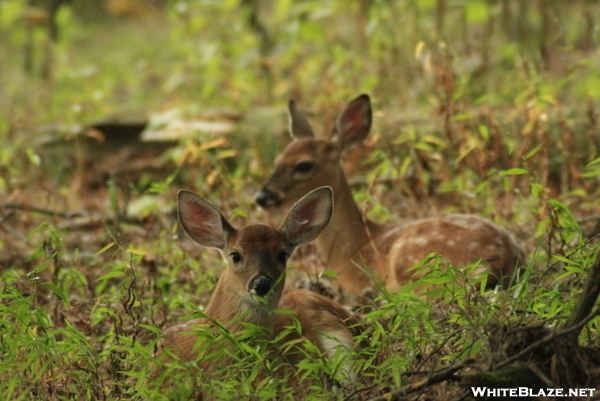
x=384 y=251
x=259 y=249
x=316 y=314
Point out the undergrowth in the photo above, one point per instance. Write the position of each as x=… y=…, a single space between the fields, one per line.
x=60 y=343
x=483 y=107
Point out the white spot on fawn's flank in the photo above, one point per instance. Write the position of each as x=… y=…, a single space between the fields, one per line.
x=421 y=241
x=337 y=345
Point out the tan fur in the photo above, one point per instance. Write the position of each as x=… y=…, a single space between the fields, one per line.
x=231 y=298
x=384 y=251
x=317 y=315
x=324 y=322
x=233 y=302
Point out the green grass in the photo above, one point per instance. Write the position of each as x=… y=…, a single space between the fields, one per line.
x=478 y=109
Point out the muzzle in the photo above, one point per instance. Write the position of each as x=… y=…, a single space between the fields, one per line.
x=267 y=199
x=261 y=285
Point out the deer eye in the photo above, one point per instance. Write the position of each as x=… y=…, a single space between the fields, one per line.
x=304 y=167
x=282 y=257
x=236 y=257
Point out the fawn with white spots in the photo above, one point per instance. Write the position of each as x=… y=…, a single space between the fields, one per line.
x=385 y=251
x=252 y=286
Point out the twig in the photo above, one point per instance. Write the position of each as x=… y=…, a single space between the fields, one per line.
x=360 y=390
x=19 y=206
x=587 y=299
x=8 y=216
x=94 y=220
x=442 y=345
x=7 y=227
x=547 y=339
x=589 y=218
x=79 y=220
x=449 y=372
x=444 y=375
x=541 y=375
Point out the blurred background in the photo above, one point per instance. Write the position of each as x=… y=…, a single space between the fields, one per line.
x=108 y=107
x=485 y=107
x=458 y=86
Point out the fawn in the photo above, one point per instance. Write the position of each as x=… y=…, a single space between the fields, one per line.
x=360 y=250
x=252 y=286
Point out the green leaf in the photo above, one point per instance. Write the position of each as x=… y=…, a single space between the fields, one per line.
x=111 y=275
x=559 y=206
x=533 y=151
x=55 y=289
x=435 y=140
x=33 y=157
x=329 y=273
x=575 y=269
x=536 y=189
x=562 y=259
x=107 y=247
x=513 y=171
x=463 y=116
x=485 y=132
x=153 y=329
x=481 y=187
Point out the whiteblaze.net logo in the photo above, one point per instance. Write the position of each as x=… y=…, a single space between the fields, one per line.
x=532 y=392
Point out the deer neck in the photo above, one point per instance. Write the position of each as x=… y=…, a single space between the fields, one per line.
x=229 y=308
x=349 y=230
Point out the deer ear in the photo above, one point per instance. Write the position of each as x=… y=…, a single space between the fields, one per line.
x=202 y=221
x=309 y=216
x=299 y=125
x=354 y=123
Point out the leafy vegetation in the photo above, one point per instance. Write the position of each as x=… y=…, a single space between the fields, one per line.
x=483 y=107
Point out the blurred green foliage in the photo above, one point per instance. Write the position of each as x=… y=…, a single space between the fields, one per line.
x=250 y=52
x=481 y=106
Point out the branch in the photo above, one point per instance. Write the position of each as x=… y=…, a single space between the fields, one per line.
x=586 y=300
x=19 y=206
x=547 y=339
x=443 y=375
x=78 y=220
x=442 y=345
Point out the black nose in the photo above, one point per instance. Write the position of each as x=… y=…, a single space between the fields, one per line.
x=266 y=198
x=261 y=285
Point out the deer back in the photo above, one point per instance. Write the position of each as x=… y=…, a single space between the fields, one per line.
x=358 y=249
x=461 y=239
x=323 y=322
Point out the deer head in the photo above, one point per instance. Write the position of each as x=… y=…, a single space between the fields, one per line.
x=310 y=162
x=256 y=254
